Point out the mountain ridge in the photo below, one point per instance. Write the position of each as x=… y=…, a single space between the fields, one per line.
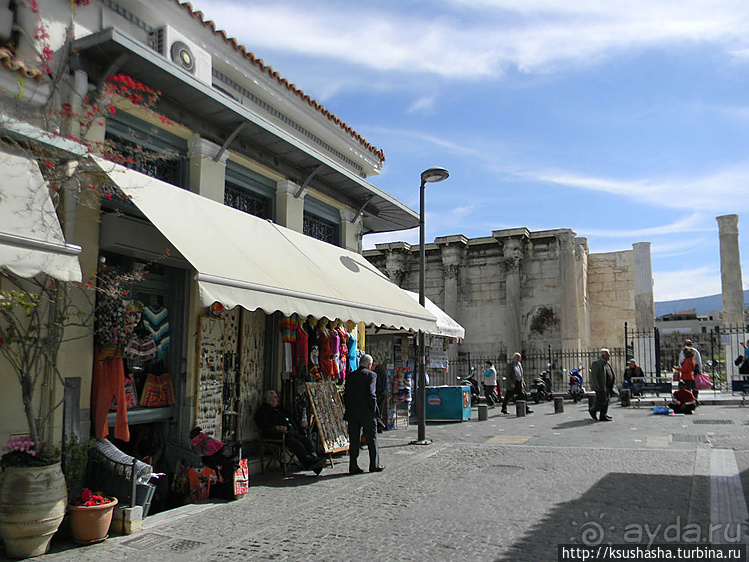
x=703 y=305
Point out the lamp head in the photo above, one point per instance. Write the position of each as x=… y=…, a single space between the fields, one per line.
x=435 y=174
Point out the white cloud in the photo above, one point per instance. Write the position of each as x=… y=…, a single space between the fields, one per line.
x=422 y=105
x=532 y=35
x=674 y=285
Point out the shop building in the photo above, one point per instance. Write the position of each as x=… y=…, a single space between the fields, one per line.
x=249 y=231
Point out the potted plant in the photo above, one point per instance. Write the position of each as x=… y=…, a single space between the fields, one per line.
x=90 y=516
x=32 y=496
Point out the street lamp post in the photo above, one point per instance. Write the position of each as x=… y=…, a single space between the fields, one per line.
x=429 y=175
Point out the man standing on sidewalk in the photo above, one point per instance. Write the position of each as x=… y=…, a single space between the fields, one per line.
x=360 y=399
x=515 y=383
x=602 y=382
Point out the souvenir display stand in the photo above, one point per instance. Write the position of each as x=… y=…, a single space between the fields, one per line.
x=209 y=398
x=327 y=409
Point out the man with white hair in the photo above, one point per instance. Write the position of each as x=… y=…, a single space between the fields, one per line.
x=602 y=382
x=360 y=399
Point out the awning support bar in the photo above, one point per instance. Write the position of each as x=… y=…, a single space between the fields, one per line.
x=229 y=141
x=306 y=182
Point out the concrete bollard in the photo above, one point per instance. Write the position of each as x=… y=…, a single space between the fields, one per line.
x=625 y=397
x=558 y=405
x=483 y=412
x=520 y=408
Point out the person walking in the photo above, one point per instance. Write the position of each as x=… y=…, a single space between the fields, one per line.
x=490 y=383
x=381 y=387
x=515 y=385
x=360 y=399
x=602 y=382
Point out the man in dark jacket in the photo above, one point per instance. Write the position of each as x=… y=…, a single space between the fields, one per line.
x=274 y=423
x=602 y=382
x=360 y=399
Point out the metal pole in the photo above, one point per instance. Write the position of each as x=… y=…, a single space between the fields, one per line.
x=421 y=389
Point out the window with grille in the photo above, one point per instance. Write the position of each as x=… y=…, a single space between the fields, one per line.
x=247 y=201
x=320 y=229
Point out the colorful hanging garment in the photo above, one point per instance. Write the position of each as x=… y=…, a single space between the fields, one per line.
x=156 y=320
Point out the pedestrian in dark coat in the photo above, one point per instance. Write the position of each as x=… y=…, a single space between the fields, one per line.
x=360 y=399
x=602 y=382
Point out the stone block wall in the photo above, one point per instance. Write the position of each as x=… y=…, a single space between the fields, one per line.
x=610 y=297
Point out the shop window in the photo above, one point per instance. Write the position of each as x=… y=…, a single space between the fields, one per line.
x=321 y=222
x=133 y=136
x=249 y=192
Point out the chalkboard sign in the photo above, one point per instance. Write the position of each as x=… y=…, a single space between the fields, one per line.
x=210 y=375
x=328 y=409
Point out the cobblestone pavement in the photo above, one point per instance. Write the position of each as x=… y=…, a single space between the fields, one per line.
x=507 y=488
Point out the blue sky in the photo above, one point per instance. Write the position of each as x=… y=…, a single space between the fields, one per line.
x=626 y=121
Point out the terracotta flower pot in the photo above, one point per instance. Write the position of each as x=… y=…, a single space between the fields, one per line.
x=32 y=505
x=90 y=523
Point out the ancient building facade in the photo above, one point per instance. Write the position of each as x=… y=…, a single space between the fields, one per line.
x=523 y=290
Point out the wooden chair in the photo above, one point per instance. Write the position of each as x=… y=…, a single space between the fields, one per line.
x=275 y=450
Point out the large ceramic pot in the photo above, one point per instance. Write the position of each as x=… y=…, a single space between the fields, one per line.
x=90 y=523
x=32 y=505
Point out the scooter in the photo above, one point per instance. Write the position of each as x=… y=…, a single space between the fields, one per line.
x=576 y=385
x=541 y=387
x=470 y=380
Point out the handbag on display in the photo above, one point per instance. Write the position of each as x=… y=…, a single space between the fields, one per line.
x=131 y=395
x=158 y=391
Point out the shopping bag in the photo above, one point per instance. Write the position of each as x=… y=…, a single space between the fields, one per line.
x=241 y=479
x=662 y=410
x=702 y=381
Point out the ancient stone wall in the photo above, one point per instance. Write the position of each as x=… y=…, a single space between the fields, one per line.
x=610 y=297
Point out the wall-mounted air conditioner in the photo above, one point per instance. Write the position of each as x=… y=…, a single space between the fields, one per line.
x=182 y=52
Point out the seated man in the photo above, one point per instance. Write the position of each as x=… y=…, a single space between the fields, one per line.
x=633 y=377
x=684 y=401
x=273 y=422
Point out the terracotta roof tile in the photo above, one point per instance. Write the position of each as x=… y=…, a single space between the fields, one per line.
x=9 y=61
x=282 y=81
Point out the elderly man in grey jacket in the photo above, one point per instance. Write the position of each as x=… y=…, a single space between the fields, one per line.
x=602 y=382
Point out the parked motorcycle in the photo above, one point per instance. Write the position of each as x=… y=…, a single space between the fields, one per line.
x=576 y=384
x=470 y=381
x=541 y=387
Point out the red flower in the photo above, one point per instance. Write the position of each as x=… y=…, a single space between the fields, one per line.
x=49 y=164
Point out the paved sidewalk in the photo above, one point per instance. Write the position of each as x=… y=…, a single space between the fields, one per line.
x=507 y=488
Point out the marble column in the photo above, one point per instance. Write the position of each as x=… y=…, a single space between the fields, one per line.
x=581 y=267
x=730 y=271
x=513 y=253
x=570 y=300
x=396 y=261
x=644 y=302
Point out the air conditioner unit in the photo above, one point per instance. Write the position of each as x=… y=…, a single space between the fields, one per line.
x=182 y=52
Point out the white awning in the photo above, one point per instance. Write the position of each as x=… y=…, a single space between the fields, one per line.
x=446 y=326
x=247 y=261
x=31 y=240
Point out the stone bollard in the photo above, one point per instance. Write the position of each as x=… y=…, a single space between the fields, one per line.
x=625 y=397
x=591 y=401
x=558 y=405
x=520 y=408
x=483 y=412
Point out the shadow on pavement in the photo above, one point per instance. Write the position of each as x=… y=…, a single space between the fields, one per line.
x=575 y=423
x=621 y=508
